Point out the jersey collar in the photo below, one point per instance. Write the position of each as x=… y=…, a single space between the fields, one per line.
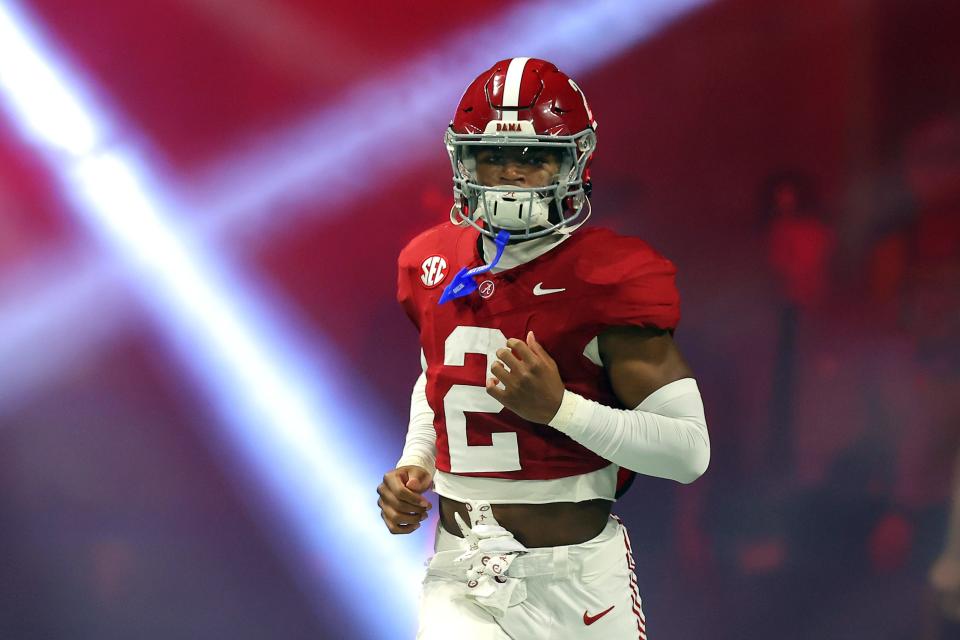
x=520 y=253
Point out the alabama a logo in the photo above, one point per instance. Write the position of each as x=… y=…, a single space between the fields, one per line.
x=486 y=289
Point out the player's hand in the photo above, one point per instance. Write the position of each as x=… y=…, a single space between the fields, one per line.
x=532 y=386
x=402 y=505
x=944 y=579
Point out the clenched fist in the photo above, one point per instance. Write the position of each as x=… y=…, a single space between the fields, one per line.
x=402 y=505
x=532 y=387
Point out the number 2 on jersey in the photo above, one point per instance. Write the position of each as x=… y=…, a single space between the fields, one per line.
x=503 y=454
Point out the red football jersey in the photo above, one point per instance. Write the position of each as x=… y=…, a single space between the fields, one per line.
x=594 y=280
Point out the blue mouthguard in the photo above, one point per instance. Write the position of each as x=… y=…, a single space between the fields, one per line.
x=463 y=284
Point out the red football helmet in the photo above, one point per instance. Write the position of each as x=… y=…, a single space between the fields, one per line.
x=522 y=102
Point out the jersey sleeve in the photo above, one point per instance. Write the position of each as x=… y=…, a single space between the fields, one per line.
x=405 y=295
x=634 y=285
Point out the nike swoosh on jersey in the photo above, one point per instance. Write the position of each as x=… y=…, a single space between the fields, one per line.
x=538 y=290
x=589 y=620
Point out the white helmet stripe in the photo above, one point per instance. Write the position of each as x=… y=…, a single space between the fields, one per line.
x=511 y=87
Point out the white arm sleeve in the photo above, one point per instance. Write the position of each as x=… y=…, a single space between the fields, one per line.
x=666 y=436
x=420 y=448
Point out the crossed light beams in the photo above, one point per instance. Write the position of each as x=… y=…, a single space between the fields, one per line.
x=283 y=418
x=379 y=129
x=282 y=425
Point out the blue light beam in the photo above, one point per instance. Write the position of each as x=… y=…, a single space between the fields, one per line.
x=388 y=125
x=288 y=429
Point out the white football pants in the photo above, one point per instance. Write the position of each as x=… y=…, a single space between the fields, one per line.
x=584 y=591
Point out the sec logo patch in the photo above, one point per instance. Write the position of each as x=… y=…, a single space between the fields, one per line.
x=433 y=271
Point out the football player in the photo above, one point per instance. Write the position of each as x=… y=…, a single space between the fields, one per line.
x=550 y=377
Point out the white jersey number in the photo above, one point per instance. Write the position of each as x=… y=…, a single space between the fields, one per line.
x=503 y=454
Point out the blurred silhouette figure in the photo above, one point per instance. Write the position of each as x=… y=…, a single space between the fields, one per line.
x=799 y=246
x=799 y=241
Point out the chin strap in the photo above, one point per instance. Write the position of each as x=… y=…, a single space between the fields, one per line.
x=568 y=229
x=456 y=216
x=463 y=283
